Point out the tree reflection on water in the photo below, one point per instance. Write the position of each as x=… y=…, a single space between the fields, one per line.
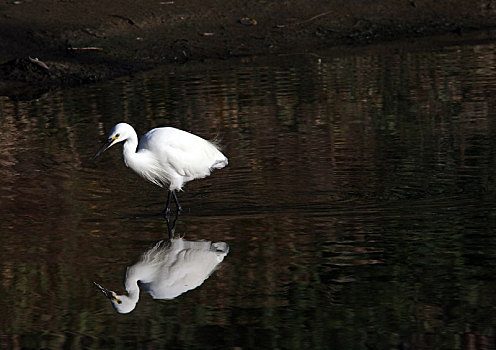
x=358 y=203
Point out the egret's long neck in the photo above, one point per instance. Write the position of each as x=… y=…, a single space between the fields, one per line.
x=127 y=303
x=133 y=290
x=129 y=149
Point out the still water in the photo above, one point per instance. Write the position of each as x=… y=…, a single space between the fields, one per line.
x=358 y=206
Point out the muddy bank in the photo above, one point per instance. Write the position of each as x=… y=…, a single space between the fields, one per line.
x=48 y=44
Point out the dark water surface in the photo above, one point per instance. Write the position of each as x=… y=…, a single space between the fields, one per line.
x=359 y=206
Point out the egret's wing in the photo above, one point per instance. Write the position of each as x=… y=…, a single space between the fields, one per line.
x=189 y=155
x=191 y=268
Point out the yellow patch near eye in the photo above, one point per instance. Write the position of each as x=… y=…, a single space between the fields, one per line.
x=117 y=300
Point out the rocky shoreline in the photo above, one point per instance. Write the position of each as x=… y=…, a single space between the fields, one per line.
x=52 y=44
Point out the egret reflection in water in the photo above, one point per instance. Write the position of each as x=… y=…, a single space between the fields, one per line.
x=167 y=270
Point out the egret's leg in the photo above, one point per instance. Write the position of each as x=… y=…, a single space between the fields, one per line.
x=166 y=211
x=171 y=228
x=178 y=206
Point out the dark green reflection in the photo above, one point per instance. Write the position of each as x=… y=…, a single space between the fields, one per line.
x=358 y=205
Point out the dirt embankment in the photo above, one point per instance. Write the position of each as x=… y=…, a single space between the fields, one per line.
x=53 y=43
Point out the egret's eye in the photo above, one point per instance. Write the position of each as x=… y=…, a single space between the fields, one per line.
x=117 y=135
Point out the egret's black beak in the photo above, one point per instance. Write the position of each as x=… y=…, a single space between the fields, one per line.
x=105 y=291
x=104 y=148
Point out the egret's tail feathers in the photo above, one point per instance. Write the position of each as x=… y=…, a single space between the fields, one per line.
x=220 y=163
x=216 y=141
x=220 y=247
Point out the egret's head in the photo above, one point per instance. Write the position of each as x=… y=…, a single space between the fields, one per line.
x=121 y=303
x=119 y=133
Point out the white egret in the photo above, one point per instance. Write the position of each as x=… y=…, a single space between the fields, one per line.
x=166 y=157
x=167 y=270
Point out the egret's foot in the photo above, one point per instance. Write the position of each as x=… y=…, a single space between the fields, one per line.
x=171 y=227
x=166 y=213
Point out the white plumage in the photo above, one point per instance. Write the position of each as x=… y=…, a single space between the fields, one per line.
x=166 y=156
x=168 y=270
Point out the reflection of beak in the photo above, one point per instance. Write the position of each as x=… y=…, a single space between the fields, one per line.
x=104 y=148
x=105 y=291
